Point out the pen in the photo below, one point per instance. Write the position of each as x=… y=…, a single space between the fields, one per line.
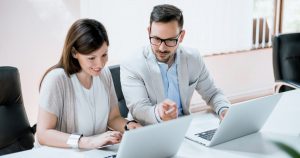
x=170 y=110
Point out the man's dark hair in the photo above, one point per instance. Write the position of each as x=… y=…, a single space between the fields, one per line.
x=166 y=13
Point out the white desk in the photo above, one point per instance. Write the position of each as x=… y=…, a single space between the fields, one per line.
x=283 y=125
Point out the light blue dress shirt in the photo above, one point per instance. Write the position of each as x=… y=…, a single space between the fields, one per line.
x=170 y=82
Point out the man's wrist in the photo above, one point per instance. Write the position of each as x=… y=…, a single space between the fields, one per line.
x=126 y=125
x=222 y=109
x=156 y=112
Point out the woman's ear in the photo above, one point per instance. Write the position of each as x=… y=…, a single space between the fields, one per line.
x=74 y=54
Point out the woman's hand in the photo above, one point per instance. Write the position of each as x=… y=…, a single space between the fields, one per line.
x=96 y=141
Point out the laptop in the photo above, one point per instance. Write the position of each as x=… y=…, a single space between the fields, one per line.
x=158 y=140
x=241 y=119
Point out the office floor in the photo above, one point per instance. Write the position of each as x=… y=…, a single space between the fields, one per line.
x=241 y=75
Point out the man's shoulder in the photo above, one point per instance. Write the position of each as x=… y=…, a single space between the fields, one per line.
x=189 y=51
x=137 y=59
x=190 y=55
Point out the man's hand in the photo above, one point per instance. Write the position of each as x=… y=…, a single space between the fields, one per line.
x=167 y=110
x=223 y=113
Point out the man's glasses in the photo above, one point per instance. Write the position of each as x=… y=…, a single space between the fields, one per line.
x=171 y=42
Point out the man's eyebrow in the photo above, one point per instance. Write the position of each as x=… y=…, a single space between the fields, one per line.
x=164 y=38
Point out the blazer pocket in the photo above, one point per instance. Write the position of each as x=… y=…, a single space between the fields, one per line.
x=191 y=89
x=193 y=84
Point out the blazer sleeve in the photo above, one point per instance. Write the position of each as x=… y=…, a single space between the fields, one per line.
x=206 y=87
x=136 y=97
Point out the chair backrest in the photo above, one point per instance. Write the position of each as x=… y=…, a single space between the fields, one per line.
x=115 y=72
x=15 y=131
x=286 y=57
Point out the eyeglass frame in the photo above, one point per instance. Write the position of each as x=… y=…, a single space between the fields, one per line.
x=164 y=40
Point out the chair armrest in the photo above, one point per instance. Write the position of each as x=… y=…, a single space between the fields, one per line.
x=291 y=84
x=33 y=129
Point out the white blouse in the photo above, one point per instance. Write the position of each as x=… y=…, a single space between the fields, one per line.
x=78 y=110
x=91 y=107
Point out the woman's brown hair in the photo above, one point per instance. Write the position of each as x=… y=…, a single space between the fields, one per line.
x=84 y=37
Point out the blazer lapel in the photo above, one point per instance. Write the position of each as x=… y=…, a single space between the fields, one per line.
x=183 y=79
x=156 y=78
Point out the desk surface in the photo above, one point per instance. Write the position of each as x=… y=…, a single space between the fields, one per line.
x=283 y=125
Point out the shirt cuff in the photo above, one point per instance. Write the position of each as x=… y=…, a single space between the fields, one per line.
x=222 y=109
x=157 y=114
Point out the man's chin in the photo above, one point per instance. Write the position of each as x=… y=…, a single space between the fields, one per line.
x=163 y=60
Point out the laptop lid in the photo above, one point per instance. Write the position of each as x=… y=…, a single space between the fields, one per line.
x=241 y=119
x=159 y=140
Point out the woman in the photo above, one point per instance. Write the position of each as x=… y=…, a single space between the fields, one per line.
x=77 y=98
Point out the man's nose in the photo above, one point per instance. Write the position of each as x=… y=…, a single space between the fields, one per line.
x=162 y=46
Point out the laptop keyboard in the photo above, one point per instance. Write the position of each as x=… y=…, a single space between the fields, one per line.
x=207 y=134
x=111 y=156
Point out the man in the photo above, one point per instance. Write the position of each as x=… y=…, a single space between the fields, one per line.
x=159 y=82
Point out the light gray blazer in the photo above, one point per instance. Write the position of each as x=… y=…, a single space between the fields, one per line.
x=143 y=88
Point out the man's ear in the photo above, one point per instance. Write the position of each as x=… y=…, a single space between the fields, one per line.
x=149 y=30
x=181 y=36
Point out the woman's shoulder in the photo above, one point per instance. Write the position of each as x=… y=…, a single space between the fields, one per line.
x=105 y=75
x=105 y=72
x=56 y=74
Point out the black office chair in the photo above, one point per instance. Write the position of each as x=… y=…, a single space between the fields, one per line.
x=115 y=72
x=15 y=131
x=286 y=61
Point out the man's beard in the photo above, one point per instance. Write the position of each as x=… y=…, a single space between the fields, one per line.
x=166 y=56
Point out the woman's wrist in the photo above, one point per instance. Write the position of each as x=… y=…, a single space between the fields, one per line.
x=73 y=140
x=85 y=143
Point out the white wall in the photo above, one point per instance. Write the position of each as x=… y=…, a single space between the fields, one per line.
x=212 y=26
x=32 y=33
